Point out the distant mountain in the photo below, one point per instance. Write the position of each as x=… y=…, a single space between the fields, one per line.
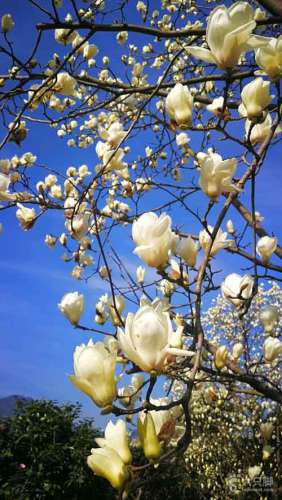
x=8 y=405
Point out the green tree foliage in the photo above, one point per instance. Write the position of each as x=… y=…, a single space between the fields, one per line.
x=43 y=450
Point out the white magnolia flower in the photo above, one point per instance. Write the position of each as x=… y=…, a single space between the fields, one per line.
x=179 y=106
x=65 y=84
x=266 y=246
x=229 y=35
x=140 y=274
x=5 y=195
x=106 y=462
x=269 y=58
x=216 y=174
x=148 y=336
x=259 y=132
x=216 y=107
x=26 y=216
x=182 y=139
x=269 y=317
x=255 y=99
x=116 y=438
x=114 y=134
x=65 y=36
x=237 y=350
x=7 y=23
x=237 y=289
x=78 y=225
x=230 y=226
x=94 y=372
x=187 y=249
x=266 y=430
x=219 y=242
x=254 y=472
x=115 y=309
x=72 y=306
x=90 y=51
x=221 y=357
x=154 y=238
x=148 y=436
x=272 y=348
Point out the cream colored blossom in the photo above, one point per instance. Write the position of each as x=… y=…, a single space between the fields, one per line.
x=219 y=242
x=179 y=106
x=266 y=246
x=237 y=289
x=255 y=99
x=229 y=35
x=216 y=174
x=94 y=368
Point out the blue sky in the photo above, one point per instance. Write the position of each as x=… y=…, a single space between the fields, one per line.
x=36 y=341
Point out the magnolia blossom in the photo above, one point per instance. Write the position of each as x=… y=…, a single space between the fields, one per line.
x=26 y=216
x=216 y=107
x=65 y=84
x=154 y=238
x=5 y=195
x=179 y=105
x=72 y=306
x=221 y=357
x=230 y=226
x=229 y=35
x=237 y=350
x=65 y=36
x=148 y=436
x=116 y=438
x=182 y=139
x=259 y=132
x=7 y=23
x=94 y=368
x=90 y=50
x=116 y=308
x=266 y=246
x=216 y=174
x=219 y=242
x=78 y=225
x=272 y=349
x=255 y=98
x=148 y=336
x=266 y=430
x=187 y=249
x=254 y=472
x=269 y=317
x=114 y=134
x=237 y=289
x=140 y=274
x=106 y=462
x=269 y=58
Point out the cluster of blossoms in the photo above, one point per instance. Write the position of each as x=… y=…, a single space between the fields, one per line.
x=147 y=331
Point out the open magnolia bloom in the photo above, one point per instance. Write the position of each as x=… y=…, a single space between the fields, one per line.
x=106 y=462
x=116 y=438
x=164 y=420
x=5 y=195
x=216 y=174
x=272 y=349
x=65 y=84
x=237 y=289
x=179 y=106
x=219 y=242
x=148 y=336
x=269 y=58
x=255 y=99
x=266 y=246
x=26 y=216
x=94 y=368
x=114 y=134
x=269 y=317
x=154 y=238
x=259 y=132
x=229 y=35
x=216 y=107
x=72 y=306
